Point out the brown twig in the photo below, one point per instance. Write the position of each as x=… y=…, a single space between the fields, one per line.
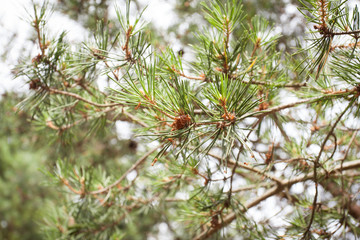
x=37 y=28
x=76 y=96
x=288 y=85
x=316 y=163
x=248 y=167
x=134 y=119
x=273 y=191
x=201 y=78
x=112 y=71
x=340 y=93
x=323 y=5
x=128 y=56
x=231 y=216
x=133 y=167
x=51 y=125
x=252 y=187
x=66 y=183
x=233 y=171
x=351 y=45
x=346 y=33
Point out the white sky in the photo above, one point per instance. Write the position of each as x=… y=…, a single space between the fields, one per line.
x=14 y=20
x=10 y=23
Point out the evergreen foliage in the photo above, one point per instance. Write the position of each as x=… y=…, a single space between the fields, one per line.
x=240 y=126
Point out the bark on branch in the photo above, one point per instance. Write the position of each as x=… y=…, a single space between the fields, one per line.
x=276 y=190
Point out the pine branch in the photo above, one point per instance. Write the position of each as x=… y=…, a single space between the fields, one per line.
x=133 y=167
x=273 y=191
x=342 y=93
x=315 y=167
x=76 y=96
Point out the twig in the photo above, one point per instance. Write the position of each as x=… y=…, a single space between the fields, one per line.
x=346 y=166
x=128 y=56
x=37 y=28
x=66 y=182
x=247 y=167
x=308 y=100
x=273 y=191
x=51 y=125
x=316 y=163
x=252 y=187
x=351 y=45
x=112 y=71
x=340 y=93
x=56 y=91
x=289 y=85
x=188 y=77
x=134 y=119
x=345 y=33
x=129 y=116
x=237 y=159
x=231 y=216
x=133 y=167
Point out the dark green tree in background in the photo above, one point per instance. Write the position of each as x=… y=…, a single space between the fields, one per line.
x=244 y=139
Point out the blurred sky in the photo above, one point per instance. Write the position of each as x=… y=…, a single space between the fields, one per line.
x=15 y=30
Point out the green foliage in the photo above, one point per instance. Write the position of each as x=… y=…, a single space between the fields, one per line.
x=239 y=124
x=22 y=190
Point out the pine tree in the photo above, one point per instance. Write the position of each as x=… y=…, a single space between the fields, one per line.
x=240 y=126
